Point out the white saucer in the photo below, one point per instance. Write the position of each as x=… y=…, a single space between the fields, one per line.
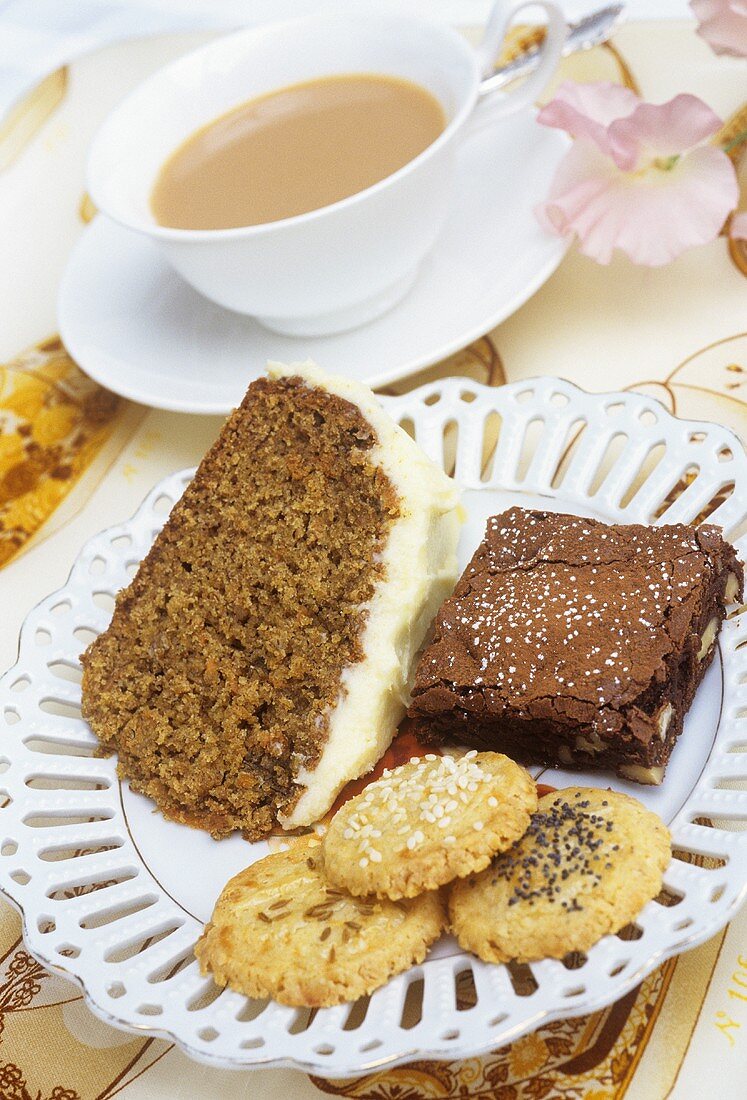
x=134 y=326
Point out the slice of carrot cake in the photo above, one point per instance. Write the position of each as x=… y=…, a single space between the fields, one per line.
x=261 y=657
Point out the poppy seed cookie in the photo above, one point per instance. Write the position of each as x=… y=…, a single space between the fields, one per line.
x=586 y=866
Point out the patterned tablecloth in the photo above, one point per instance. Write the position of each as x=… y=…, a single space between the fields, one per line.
x=75 y=458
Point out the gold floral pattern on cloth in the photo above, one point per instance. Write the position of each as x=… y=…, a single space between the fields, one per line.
x=23 y=122
x=35 y=1008
x=604 y=62
x=592 y=1057
x=480 y=361
x=710 y=384
x=730 y=132
x=22 y=979
x=53 y=422
x=13 y=1086
x=587 y=1058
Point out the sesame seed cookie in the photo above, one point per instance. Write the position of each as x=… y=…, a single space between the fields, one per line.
x=427 y=822
x=280 y=930
x=586 y=866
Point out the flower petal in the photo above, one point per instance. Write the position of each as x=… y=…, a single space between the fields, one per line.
x=664 y=129
x=723 y=25
x=651 y=216
x=586 y=110
x=601 y=102
x=579 y=200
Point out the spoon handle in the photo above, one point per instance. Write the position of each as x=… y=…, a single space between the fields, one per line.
x=590 y=31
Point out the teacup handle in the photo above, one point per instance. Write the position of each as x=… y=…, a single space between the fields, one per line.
x=503 y=11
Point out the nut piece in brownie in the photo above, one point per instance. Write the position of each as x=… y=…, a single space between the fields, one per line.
x=571 y=642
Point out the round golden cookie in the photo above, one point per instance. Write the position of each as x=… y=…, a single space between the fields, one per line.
x=427 y=822
x=280 y=930
x=586 y=866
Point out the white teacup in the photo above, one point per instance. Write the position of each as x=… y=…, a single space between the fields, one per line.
x=346 y=263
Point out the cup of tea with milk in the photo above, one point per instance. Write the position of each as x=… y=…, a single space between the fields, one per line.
x=301 y=171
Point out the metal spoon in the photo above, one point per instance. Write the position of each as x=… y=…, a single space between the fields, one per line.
x=590 y=31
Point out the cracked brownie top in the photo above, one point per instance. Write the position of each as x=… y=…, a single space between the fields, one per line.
x=570 y=621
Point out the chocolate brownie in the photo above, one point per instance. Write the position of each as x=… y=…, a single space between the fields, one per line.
x=571 y=642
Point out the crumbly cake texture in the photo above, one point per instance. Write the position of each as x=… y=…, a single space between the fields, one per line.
x=427 y=822
x=280 y=930
x=586 y=866
x=571 y=642
x=260 y=658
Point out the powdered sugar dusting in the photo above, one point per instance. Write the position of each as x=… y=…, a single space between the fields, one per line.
x=557 y=605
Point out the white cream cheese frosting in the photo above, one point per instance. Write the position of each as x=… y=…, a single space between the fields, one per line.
x=420 y=569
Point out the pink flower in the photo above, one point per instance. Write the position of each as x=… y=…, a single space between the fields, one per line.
x=637 y=177
x=723 y=25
